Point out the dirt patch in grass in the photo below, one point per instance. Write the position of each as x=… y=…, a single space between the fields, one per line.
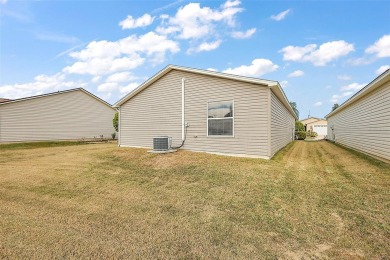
x=313 y=200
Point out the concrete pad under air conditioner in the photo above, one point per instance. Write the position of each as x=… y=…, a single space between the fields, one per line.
x=162 y=151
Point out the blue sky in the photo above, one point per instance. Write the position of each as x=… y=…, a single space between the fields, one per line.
x=320 y=51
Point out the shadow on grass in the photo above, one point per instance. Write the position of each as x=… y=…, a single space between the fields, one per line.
x=32 y=145
x=368 y=158
x=281 y=153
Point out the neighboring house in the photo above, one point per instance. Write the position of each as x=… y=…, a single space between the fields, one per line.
x=363 y=121
x=309 y=120
x=69 y=114
x=2 y=100
x=318 y=125
x=214 y=112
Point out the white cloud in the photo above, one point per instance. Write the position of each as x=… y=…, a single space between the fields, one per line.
x=120 y=77
x=382 y=69
x=128 y=88
x=229 y=4
x=204 y=27
x=149 y=43
x=317 y=104
x=100 y=49
x=105 y=66
x=69 y=50
x=243 y=35
x=3 y=1
x=352 y=86
x=96 y=79
x=206 y=46
x=320 y=56
x=336 y=98
x=296 y=53
x=211 y=69
x=194 y=22
x=41 y=84
x=347 y=90
x=344 y=77
x=280 y=16
x=284 y=84
x=381 y=48
x=330 y=51
x=106 y=95
x=130 y=22
x=295 y=74
x=105 y=57
x=108 y=87
x=257 y=68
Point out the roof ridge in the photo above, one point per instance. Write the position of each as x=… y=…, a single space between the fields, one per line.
x=58 y=92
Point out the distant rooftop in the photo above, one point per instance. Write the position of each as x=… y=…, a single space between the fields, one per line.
x=2 y=100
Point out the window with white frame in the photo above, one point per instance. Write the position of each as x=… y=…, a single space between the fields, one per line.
x=220 y=118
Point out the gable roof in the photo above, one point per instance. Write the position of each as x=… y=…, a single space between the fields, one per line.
x=56 y=93
x=376 y=83
x=317 y=122
x=314 y=118
x=273 y=85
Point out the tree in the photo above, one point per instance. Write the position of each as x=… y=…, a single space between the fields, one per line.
x=115 y=122
x=294 y=107
x=335 y=106
x=299 y=126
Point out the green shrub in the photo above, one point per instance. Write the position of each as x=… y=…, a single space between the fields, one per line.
x=313 y=134
x=115 y=122
x=299 y=126
x=300 y=135
x=113 y=135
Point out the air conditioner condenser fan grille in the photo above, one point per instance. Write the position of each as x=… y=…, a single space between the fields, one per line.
x=162 y=143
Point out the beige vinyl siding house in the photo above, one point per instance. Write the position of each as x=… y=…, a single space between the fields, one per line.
x=309 y=120
x=363 y=121
x=63 y=115
x=282 y=125
x=225 y=114
x=320 y=127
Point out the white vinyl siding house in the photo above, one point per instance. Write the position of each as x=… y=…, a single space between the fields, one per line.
x=363 y=121
x=64 y=115
x=236 y=108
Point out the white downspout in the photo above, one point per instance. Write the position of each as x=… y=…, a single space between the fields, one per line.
x=182 y=109
x=119 y=126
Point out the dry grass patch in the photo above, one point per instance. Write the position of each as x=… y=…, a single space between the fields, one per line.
x=313 y=200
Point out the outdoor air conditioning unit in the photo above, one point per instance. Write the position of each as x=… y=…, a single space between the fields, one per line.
x=162 y=143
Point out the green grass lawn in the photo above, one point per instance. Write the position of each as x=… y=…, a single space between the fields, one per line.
x=313 y=200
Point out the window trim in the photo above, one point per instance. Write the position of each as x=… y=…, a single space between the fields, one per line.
x=207 y=119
